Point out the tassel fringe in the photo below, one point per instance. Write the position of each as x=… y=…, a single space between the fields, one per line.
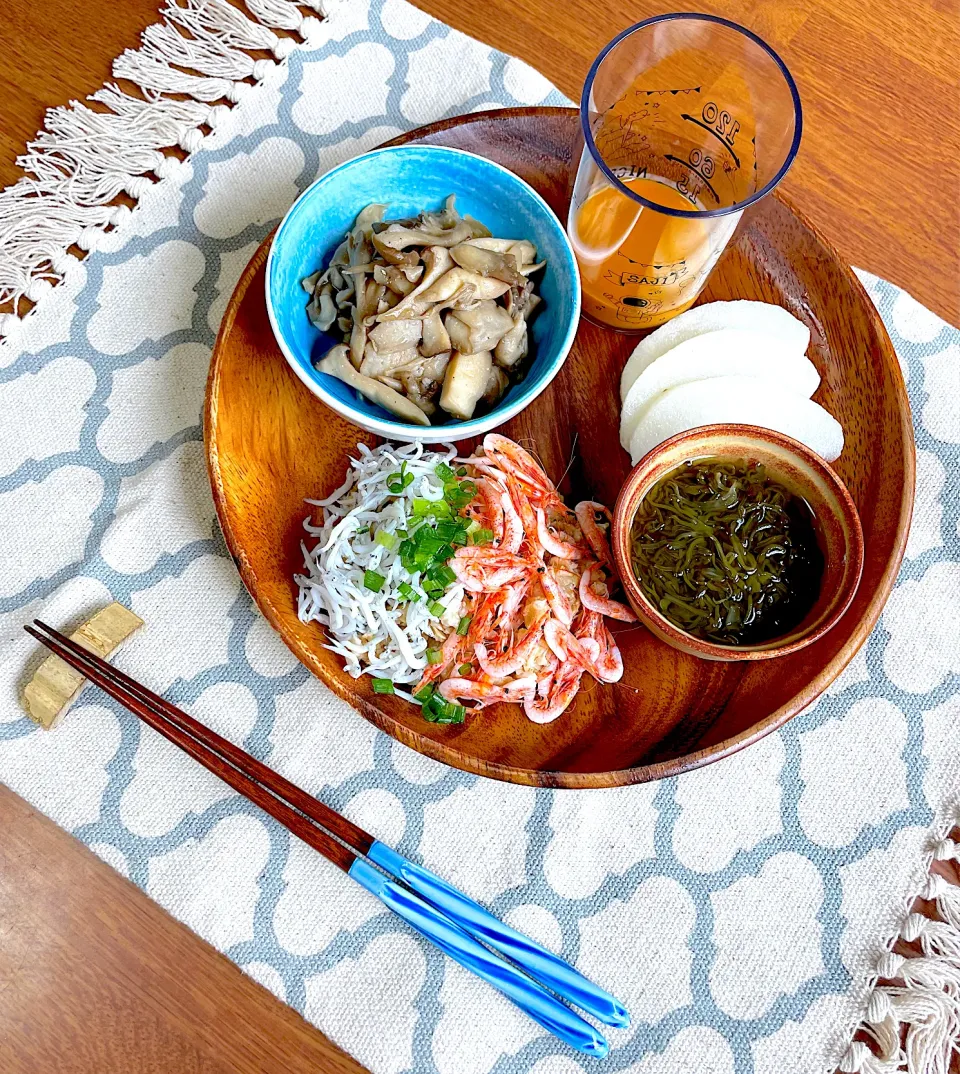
x=912 y=1022
x=92 y=161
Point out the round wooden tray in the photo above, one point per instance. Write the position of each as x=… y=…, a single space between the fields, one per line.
x=271 y=444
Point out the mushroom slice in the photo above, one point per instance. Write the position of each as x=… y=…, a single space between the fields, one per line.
x=396 y=238
x=322 y=311
x=436 y=263
x=523 y=251
x=464 y=383
x=512 y=348
x=391 y=336
x=497 y=384
x=391 y=255
x=387 y=366
x=447 y=287
x=310 y=282
x=399 y=280
x=336 y=363
x=479 y=329
x=421 y=381
x=435 y=337
x=487 y=263
x=362 y=228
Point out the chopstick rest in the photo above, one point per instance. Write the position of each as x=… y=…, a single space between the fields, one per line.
x=542 y=965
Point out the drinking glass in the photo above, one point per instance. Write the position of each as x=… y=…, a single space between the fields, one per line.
x=687 y=120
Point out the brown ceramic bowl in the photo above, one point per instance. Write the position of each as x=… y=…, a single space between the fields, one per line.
x=806 y=474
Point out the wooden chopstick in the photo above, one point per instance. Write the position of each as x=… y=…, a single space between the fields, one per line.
x=235 y=766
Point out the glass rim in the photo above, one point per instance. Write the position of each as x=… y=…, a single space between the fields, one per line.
x=691 y=214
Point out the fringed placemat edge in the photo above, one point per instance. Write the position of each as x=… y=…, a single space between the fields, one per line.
x=909 y=1011
x=89 y=165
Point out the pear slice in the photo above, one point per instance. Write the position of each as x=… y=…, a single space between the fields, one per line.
x=712 y=317
x=726 y=352
x=738 y=400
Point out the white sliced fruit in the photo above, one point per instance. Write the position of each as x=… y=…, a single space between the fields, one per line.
x=56 y=685
x=738 y=400
x=712 y=317
x=727 y=352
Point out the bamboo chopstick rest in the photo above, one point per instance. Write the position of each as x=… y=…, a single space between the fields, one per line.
x=55 y=685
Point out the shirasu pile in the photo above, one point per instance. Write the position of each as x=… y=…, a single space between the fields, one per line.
x=378 y=633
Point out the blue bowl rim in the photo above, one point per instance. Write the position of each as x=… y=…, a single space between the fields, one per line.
x=395 y=430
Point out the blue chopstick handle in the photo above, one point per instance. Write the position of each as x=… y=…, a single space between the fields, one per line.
x=541 y=964
x=543 y=1008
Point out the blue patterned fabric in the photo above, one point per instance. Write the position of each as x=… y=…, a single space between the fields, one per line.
x=738 y=911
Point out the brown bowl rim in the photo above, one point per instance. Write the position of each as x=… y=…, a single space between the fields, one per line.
x=627 y=505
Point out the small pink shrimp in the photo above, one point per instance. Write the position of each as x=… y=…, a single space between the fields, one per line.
x=591 y=630
x=485 y=693
x=465 y=578
x=512 y=458
x=488 y=556
x=602 y=661
x=555 y=545
x=560 y=604
x=562 y=692
x=511 y=537
x=520 y=500
x=512 y=603
x=586 y=512
x=493 y=510
x=602 y=603
x=484 y=576
x=565 y=645
x=510 y=662
x=449 y=654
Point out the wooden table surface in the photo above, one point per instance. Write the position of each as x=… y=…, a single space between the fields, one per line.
x=96 y=979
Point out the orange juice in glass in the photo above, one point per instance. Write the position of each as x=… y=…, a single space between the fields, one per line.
x=687 y=120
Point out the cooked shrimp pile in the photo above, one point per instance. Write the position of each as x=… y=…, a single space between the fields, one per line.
x=535 y=597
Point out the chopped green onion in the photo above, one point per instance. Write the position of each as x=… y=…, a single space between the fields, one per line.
x=472 y=526
x=482 y=536
x=462 y=472
x=465 y=669
x=425 y=693
x=407 y=591
x=398 y=481
x=447 y=529
x=443 y=471
x=454 y=714
x=436 y=710
x=436 y=608
x=386 y=540
x=403 y=534
x=422 y=507
x=464 y=625
x=382 y=686
x=373 y=581
x=442 y=575
x=433 y=656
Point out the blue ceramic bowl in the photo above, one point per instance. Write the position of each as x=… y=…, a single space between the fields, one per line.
x=408 y=179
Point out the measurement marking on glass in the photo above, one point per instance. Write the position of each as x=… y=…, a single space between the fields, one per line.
x=696 y=172
x=718 y=136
